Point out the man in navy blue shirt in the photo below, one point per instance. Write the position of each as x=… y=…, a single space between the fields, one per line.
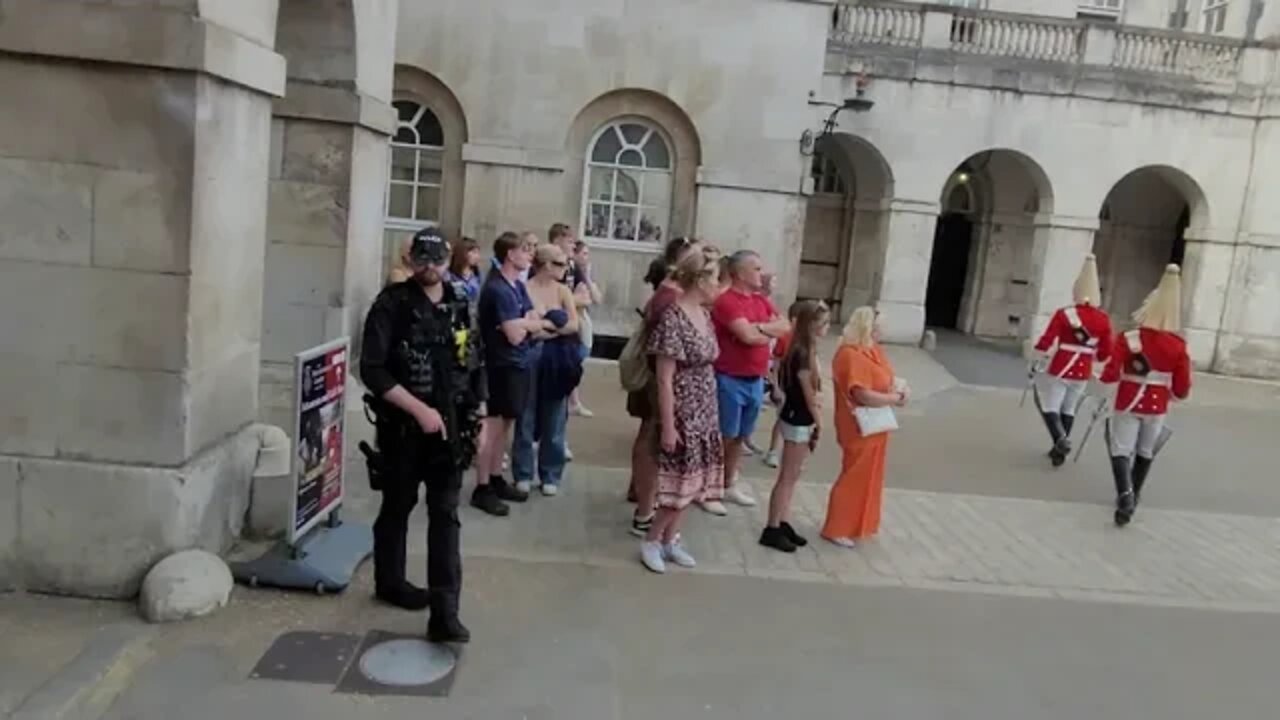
x=508 y=324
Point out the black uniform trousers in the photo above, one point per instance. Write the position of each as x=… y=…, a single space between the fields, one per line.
x=410 y=460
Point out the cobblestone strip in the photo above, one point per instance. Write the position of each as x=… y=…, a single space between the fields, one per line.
x=928 y=540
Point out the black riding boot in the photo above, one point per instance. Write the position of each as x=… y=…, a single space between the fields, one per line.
x=1067 y=422
x=1124 y=490
x=1141 y=466
x=1061 y=445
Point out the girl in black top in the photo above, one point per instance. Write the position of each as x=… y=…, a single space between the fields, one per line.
x=801 y=381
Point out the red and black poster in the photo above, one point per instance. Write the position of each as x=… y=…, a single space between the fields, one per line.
x=320 y=394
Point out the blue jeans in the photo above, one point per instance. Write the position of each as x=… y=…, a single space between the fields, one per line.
x=552 y=417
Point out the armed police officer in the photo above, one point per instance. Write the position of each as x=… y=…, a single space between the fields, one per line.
x=421 y=363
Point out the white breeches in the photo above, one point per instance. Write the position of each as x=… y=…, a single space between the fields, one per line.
x=1128 y=433
x=1060 y=396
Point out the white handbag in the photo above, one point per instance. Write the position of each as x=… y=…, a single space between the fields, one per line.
x=873 y=421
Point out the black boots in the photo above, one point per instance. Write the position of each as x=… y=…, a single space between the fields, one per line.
x=1058 y=431
x=1067 y=422
x=1125 y=502
x=1141 y=466
x=444 y=625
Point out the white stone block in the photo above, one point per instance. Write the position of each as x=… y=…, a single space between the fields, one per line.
x=120 y=415
x=187 y=584
x=304 y=213
x=94 y=530
x=46 y=208
x=316 y=152
x=8 y=523
x=305 y=275
x=141 y=221
x=37 y=328
x=289 y=329
x=221 y=398
x=29 y=422
x=901 y=323
x=128 y=319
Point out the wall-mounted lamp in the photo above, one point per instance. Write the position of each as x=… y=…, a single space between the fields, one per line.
x=858 y=103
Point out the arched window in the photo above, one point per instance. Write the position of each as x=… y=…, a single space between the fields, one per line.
x=417 y=162
x=627 y=189
x=826 y=176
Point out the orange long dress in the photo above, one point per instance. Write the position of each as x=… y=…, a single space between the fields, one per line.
x=853 y=509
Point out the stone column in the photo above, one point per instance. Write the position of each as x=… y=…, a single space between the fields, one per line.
x=866 y=258
x=910 y=228
x=1206 y=279
x=329 y=159
x=1060 y=246
x=133 y=175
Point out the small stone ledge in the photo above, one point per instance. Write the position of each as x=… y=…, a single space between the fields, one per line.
x=337 y=104
x=139 y=36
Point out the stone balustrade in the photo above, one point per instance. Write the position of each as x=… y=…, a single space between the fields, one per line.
x=913 y=26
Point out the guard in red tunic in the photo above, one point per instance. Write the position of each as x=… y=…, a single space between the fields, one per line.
x=1152 y=366
x=1077 y=337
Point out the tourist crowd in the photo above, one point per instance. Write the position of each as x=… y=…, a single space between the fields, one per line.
x=710 y=349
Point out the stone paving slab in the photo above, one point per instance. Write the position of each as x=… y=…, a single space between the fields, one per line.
x=942 y=541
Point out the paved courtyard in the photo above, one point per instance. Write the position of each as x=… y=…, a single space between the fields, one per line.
x=997 y=589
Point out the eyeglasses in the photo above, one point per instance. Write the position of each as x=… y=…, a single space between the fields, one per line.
x=559 y=263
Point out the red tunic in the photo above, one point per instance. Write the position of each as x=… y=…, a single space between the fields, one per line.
x=1164 y=356
x=1077 y=347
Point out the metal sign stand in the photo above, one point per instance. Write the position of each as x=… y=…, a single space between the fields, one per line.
x=322 y=552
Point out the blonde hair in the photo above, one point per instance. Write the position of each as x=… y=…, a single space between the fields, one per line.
x=695 y=266
x=858 y=330
x=547 y=254
x=1162 y=310
x=400 y=269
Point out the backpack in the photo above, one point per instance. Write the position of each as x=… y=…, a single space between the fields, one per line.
x=633 y=364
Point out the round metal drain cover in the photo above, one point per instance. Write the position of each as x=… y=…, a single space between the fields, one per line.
x=405 y=663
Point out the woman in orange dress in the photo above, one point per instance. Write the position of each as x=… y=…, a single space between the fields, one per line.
x=862 y=375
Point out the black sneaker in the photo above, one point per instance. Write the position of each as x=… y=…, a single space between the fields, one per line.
x=777 y=539
x=640 y=526
x=506 y=491
x=448 y=631
x=796 y=538
x=405 y=595
x=485 y=499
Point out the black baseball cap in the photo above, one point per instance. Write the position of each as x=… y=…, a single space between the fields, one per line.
x=428 y=247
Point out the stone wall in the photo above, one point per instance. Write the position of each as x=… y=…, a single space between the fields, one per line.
x=130 y=285
x=519 y=74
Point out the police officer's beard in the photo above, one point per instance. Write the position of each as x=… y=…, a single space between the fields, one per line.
x=429 y=278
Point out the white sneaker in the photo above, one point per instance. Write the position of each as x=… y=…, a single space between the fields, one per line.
x=506 y=461
x=524 y=486
x=771 y=459
x=550 y=490
x=846 y=543
x=651 y=556
x=568 y=454
x=582 y=411
x=715 y=507
x=676 y=553
x=737 y=494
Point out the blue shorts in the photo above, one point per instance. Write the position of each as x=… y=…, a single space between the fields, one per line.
x=740 y=400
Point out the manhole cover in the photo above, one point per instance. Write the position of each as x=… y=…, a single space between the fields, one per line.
x=406 y=662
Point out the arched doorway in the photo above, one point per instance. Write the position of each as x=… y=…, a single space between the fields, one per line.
x=1142 y=227
x=980 y=271
x=843 y=246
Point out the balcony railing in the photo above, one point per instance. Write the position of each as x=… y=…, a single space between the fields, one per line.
x=1201 y=58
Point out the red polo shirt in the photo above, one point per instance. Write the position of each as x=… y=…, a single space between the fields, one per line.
x=736 y=358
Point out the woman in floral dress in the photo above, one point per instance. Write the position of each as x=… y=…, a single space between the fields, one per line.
x=690 y=454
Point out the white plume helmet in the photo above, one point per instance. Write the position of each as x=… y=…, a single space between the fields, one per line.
x=1162 y=310
x=1086 y=289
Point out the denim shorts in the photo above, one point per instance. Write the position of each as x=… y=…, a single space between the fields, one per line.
x=740 y=400
x=795 y=433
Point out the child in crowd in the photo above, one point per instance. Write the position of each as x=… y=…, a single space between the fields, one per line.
x=774 y=384
x=799 y=418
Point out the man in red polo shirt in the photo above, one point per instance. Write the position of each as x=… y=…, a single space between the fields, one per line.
x=745 y=322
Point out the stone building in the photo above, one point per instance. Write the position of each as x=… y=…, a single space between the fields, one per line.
x=192 y=191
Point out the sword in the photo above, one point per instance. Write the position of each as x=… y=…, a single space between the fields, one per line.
x=1032 y=371
x=1098 y=412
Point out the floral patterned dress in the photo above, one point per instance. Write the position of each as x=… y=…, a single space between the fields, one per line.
x=695 y=469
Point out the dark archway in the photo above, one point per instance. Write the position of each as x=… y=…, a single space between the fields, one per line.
x=1143 y=226
x=980 y=270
